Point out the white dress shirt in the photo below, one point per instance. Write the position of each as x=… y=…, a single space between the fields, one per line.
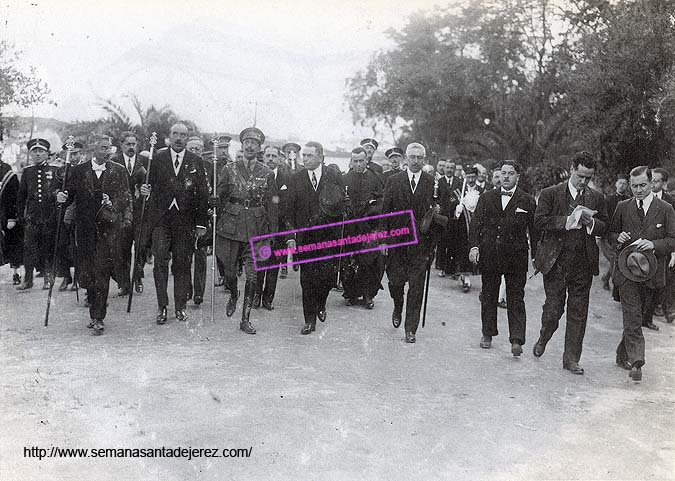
x=180 y=155
x=658 y=195
x=317 y=172
x=574 y=192
x=646 y=202
x=98 y=169
x=505 y=198
x=129 y=162
x=417 y=175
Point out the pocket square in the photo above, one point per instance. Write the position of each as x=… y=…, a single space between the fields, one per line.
x=659 y=226
x=193 y=171
x=518 y=209
x=283 y=187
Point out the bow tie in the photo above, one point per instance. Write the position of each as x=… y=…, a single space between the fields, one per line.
x=507 y=194
x=95 y=167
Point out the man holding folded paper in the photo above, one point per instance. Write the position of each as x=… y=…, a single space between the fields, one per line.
x=643 y=230
x=569 y=215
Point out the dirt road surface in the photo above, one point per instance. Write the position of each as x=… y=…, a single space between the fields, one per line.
x=351 y=401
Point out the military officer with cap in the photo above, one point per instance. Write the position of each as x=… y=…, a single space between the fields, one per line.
x=370 y=146
x=395 y=156
x=248 y=207
x=291 y=150
x=223 y=149
x=36 y=207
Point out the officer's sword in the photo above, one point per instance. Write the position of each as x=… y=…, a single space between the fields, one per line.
x=70 y=145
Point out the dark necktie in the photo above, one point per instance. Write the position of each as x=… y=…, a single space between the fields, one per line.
x=176 y=163
x=413 y=184
x=641 y=211
x=129 y=168
x=507 y=194
x=314 y=182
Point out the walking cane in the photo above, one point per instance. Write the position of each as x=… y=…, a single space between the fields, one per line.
x=214 y=217
x=342 y=235
x=70 y=145
x=137 y=241
x=429 y=261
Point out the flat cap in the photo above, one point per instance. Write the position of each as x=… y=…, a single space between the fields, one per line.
x=224 y=140
x=372 y=142
x=393 y=151
x=252 y=133
x=288 y=146
x=38 y=144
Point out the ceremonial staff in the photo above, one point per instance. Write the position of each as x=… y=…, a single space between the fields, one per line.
x=137 y=242
x=214 y=218
x=429 y=260
x=70 y=145
x=342 y=235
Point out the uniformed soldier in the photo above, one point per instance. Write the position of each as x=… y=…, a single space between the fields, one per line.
x=395 y=156
x=370 y=146
x=36 y=207
x=248 y=207
x=291 y=151
x=223 y=149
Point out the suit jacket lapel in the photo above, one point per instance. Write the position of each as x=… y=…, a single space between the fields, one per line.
x=89 y=175
x=513 y=203
x=651 y=213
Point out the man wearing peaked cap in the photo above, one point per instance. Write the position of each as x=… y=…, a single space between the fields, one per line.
x=370 y=146
x=247 y=199
x=395 y=156
x=643 y=229
x=292 y=152
x=223 y=149
x=36 y=209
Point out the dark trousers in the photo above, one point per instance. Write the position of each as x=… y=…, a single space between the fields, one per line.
x=416 y=268
x=266 y=284
x=126 y=242
x=200 y=271
x=230 y=252
x=98 y=302
x=515 y=306
x=637 y=304
x=667 y=293
x=446 y=250
x=316 y=280
x=64 y=257
x=172 y=240
x=38 y=247
x=571 y=284
x=368 y=278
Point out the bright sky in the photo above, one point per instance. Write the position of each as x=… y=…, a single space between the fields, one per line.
x=209 y=60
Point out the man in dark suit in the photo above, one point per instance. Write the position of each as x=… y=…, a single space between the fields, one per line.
x=362 y=273
x=409 y=190
x=567 y=255
x=621 y=186
x=134 y=166
x=247 y=191
x=665 y=302
x=304 y=210
x=500 y=229
x=291 y=151
x=176 y=213
x=447 y=246
x=11 y=233
x=370 y=146
x=467 y=201
x=646 y=224
x=266 y=282
x=36 y=208
x=101 y=190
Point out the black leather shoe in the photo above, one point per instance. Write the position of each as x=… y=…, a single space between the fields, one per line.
x=65 y=283
x=98 y=327
x=516 y=349
x=283 y=273
x=502 y=304
x=396 y=318
x=91 y=324
x=486 y=342
x=232 y=303
x=670 y=318
x=220 y=282
x=651 y=325
x=308 y=328
x=322 y=316
x=24 y=286
x=635 y=373
x=410 y=337
x=573 y=367
x=161 y=315
x=256 y=301
x=658 y=310
x=539 y=348
x=181 y=315
x=623 y=364
x=247 y=327
x=45 y=283
x=267 y=305
x=198 y=300
x=368 y=302
x=40 y=274
x=123 y=292
x=139 y=287
x=352 y=302
x=73 y=287
x=16 y=279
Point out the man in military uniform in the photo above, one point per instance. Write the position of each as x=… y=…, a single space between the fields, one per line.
x=176 y=214
x=11 y=234
x=362 y=273
x=223 y=149
x=135 y=168
x=101 y=190
x=36 y=208
x=395 y=156
x=291 y=151
x=370 y=146
x=247 y=193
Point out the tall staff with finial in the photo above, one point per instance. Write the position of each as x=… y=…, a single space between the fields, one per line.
x=137 y=241
x=60 y=211
x=429 y=261
x=214 y=218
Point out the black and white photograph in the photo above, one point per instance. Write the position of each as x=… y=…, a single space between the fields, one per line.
x=280 y=239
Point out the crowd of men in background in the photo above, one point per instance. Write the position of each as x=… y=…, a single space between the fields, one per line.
x=119 y=204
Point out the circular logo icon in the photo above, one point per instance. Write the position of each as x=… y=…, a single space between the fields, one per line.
x=264 y=252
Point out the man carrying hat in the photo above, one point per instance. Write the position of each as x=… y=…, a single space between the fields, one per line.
x=248 y=207
x=36 y=208
x=176 y=214
x=370 y=146
x=643 y=229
